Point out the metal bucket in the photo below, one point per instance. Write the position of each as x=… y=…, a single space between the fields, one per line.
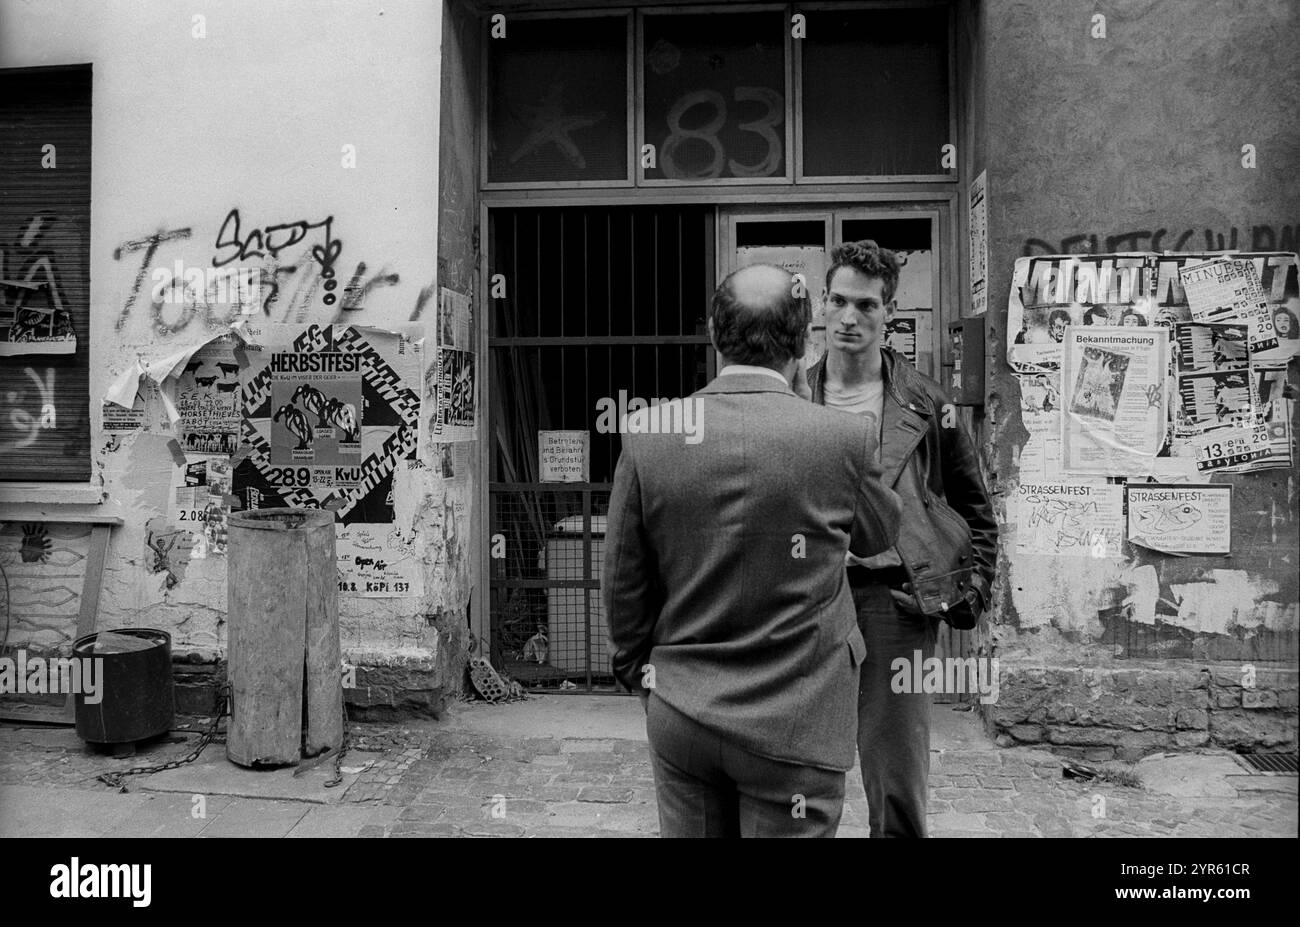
x=134 y=672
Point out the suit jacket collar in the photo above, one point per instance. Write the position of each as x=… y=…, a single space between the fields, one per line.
x=746 y=383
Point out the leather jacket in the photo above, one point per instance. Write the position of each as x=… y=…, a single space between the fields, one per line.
x=948 y=536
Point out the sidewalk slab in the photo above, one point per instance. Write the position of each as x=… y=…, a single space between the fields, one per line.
x=334 y=821
x=39 y=811
x=213 y=774
x=251 y=818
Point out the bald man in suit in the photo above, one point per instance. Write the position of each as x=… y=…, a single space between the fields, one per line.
x=724 y=581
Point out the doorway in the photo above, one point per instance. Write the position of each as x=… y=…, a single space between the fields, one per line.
x=602 y=304
x=605 y=303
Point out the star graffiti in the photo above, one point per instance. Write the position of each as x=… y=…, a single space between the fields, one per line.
x=549 y=124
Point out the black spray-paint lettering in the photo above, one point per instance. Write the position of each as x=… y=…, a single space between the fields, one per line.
x=1262 y=238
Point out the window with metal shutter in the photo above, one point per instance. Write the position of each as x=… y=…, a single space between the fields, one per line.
x=44 y=274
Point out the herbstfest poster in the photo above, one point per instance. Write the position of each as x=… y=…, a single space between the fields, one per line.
x=330 y=416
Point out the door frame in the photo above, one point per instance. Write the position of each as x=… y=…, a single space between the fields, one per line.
x=943 y=205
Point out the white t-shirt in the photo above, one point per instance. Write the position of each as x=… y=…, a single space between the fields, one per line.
x=869 y=401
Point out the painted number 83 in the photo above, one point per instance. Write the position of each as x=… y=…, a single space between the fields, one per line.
x=707 y=134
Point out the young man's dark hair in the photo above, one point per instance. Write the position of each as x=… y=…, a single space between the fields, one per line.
x=869 y=259
x=749 y=328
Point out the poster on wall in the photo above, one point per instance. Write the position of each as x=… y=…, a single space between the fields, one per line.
x=1209 y=346
x=1273 y=410
x=1040 y=412
x=1051 y=293
x=900 y=335
x=1183 y=519
x=455 y=320
x=453 y=385
x=1228 y=289
x=449 y=389
x=1212 y=399
x=27 y=329
x=207 y=399
x=353 y=471
x=318 y=406
x=915 y=291
x=1211 y=356
x=1068 y=519
x=199 y=502
x=1229 y=448
x=1276 y=275
x=147 y=413
x=374 y=562
x=979 y=243
x=1113 y=419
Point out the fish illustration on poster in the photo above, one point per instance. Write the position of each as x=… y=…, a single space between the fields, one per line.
x=1188 y=519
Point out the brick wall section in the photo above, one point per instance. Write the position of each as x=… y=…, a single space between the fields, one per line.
x=1145 y=707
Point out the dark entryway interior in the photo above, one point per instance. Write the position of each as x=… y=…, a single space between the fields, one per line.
x=601 y=302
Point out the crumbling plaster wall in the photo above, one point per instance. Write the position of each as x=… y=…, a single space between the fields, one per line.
x=1134 y=142
x=251 y=106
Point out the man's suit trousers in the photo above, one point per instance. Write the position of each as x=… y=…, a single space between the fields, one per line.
x=709 y=787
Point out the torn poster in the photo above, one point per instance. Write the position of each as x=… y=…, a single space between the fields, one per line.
x=1228 y=289
x=127 y=384
x=207 y=399
x=1213 y=399
x=1209 y=346
x=451 y=461
x=915 y=292
x=1277 y=275
x=117 y=420
x=147 y=414
x=449 y=380
x=1070 y=519
x=1050 y=293
x=455 y=320
x=1272 y=408
x=979 y=244
x=374 y=561
x=1229 y=447
x=1183 y=519
x=901 y=335
x=199 y=502
x=28 y=330
x=1114 y=417
x=1040 y=412
x=1040 y=458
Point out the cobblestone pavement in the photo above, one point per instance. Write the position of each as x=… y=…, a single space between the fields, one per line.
x=579 y=766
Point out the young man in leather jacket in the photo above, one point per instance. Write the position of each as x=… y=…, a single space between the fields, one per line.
x=943 y=564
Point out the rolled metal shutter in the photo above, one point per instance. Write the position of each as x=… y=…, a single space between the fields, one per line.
x=44 y=263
